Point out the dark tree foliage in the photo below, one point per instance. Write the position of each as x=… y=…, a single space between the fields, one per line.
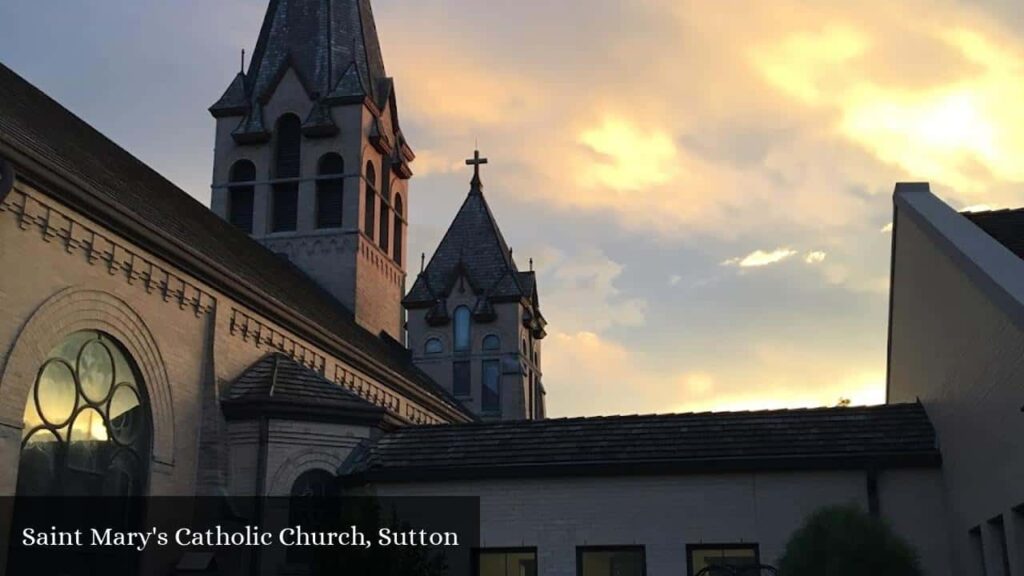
x=846 y=541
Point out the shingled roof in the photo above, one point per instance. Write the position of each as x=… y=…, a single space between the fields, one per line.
x=90 y=172
x=1006 y=226
x=472 y=247
x=331 y=45
x=278 y=383
x=828 y=438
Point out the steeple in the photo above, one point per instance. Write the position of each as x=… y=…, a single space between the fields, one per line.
x=310 y=157
x=332 y=46
x=473 y=288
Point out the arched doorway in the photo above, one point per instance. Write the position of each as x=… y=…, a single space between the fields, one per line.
x=307 y=507
x=87 y=428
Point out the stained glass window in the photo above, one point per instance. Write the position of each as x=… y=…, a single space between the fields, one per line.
x=87 y=424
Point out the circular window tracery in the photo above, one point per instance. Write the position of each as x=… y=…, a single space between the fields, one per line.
x=87 y=423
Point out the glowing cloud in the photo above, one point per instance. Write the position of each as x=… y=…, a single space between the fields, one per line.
x=759 y=258
x=626 y=157
x=815 y=257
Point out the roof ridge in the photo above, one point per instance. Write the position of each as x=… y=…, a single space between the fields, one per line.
x=703 y=414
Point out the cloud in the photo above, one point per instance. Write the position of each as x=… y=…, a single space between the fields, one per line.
x=887 y=228
x=627 y=158
x=815 y=257
x=976 y=208
x=585 y=373
x=759 y=258
x=579 y=292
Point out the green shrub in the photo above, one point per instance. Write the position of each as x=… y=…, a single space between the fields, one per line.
x=845 y=541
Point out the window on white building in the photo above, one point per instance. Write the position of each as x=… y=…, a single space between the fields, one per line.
x=506 y=562
x=703 y=558
x=610 y=561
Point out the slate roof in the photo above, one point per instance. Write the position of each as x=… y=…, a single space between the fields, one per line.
x=1006 y=226
x=894 y=434
x=36 y=130
x=278 y=381
x=332 y=45
x=474 y=247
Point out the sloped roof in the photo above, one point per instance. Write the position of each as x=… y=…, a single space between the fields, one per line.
x=472 y=247
x=100 y=178
x=320 y=40
x=1006 y=226
x=276 y=381
x=888 y=435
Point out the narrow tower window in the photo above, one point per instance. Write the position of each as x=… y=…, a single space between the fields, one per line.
x=330 y=191
x=490 y=391
x=462 y=317
x=398 y=230
x=370 y=199
x=240 y=195
x=288 y=147
x=384 y=219
x=287 y=156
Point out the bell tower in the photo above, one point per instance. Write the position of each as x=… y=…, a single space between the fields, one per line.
x=310 y=159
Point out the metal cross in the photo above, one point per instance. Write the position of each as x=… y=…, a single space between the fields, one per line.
x=475 y=162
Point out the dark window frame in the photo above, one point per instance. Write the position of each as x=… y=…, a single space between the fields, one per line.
x=330 y=185
x=475 y=570
x=484 y=365
x=370 y=200
x=462 y=311
x=288 y=146
x=494 y=338
x=431 y=339
x=581 y=550
x=691 y=548
x=242 y=186
x=397 y=235
x=468 y=393
x=281 y=220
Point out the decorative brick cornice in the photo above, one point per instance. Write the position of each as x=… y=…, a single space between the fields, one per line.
x=75 y=235
x=259 y=333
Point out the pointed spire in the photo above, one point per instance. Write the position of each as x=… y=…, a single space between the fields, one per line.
x=320 y=40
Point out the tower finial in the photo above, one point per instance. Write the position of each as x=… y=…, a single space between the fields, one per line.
x=423 y=260
x=243 y=61
x=531 y=264
x=476 y=185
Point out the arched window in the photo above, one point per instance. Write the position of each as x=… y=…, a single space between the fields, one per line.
x=370 y=200
x=462 y=318
x=287 y=162
x=330 y=191
x=385 y=218
x=492 y=342
x=397 y=248
x=288 y=147
x=87 y=423
x=240 y=196
x=433 y=346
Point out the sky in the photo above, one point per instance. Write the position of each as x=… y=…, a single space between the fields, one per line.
x=705 y=188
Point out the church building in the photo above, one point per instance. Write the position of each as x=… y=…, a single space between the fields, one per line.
x=274 y=343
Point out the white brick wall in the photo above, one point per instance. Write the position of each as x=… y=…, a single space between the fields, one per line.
x=666 y=513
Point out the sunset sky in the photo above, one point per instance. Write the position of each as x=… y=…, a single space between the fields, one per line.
x=705 y=187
